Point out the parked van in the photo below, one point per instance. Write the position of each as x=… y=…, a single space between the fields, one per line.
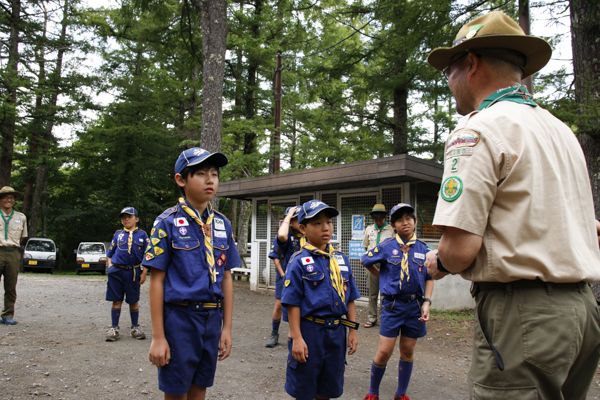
x=91 y=256
x=40 y=254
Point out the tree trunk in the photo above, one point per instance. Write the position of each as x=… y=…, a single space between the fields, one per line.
x=213 y=15
x=400 y=111
x=585 y=31
x=8 y=117
x=245 y=210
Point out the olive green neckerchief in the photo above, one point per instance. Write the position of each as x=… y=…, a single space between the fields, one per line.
x=516 y=94
x=6 y=221
x=379 y=232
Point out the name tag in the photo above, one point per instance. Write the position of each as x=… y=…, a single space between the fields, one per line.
x=343 y=268
x=220 y=234
x=419 y=256
x=219 y=224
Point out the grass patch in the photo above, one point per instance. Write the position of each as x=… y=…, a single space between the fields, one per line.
x=462 y=314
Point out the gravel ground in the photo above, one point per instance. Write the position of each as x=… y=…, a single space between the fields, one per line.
x=58 y=350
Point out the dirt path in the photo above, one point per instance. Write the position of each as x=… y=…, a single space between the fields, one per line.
x=58 y=350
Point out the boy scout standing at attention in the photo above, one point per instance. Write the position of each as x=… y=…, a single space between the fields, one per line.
x=318 y=291
x=13 y=229
x=406 y=290
x=125 y=273
x=375 y=233
x=191 y=290
x=517 y=213
x=287 y=242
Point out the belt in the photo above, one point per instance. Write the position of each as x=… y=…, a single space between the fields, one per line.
x=199 y=305
x=333 y=322
x=477 y=287
x=133 y=267
x=8 y=248
x=403 y=297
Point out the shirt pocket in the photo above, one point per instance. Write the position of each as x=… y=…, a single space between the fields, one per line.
x=186 y=257
x=394 y=267
x=315 y=294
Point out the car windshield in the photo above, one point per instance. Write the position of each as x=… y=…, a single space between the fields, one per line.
x=91 y=248
x=40 y=245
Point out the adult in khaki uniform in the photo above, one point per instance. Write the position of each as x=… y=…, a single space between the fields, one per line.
x=13 y=228
x=375 y=234
x=518 y=219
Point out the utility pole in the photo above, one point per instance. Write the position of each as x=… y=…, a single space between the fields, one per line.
x=524 y=24
x=276 y=139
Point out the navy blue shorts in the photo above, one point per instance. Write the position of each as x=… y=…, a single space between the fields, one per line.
x=397 y=317
x=278 y=285
x=193 y=338
x=323 y=371
x=121 y=284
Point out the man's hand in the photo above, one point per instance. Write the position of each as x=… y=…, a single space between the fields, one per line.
x=431 y=265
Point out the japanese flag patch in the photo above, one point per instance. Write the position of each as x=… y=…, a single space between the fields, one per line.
x=307 y=260
x=181 y=222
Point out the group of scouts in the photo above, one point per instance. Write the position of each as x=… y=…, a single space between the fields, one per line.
x=516 y=210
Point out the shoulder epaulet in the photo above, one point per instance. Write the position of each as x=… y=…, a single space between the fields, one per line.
x=167 y=212
x=386 y=240
x=419 y=240
x=221 y=215
x=117 y=231
x=294 y=256
x=340 y=252
x=142 y=231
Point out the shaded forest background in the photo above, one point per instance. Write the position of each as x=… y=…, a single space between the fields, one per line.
x=96 y=103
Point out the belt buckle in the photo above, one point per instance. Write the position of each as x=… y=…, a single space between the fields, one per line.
x=413 y=297
x=197 y=305
x=329 y=322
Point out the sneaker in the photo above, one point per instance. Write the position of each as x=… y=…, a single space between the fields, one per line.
x=113 y=334
x=8 y=321
x=273 y=340
x=371 y=397
x=403 y=397
x=137 y=332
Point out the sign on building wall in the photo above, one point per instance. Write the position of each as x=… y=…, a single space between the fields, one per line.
x=358 y=227
x=355 y=249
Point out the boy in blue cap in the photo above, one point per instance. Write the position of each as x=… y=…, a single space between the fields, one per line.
x=288 y=241
x=319 y=290
x=406 y=289
x=191 y=291
x=125 y=273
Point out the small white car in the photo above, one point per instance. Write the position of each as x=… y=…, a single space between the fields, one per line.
x=40 y=254
x=91 y=256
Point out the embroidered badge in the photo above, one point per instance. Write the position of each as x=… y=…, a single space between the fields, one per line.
x=221 y=234
x=141 y=240
x=221 y=260
x=183 y=230
x=454 y=165
x=375 y=250
x=372 y=233
x=420 y=269
x=152 y=231
x=451 y=188
x=156 y=221
x=287 y=282
x=181 y=222
x=307 y=260
x=340 y=259
x=149 y=247
x=219 y=224
x=419 y=256
x=121 y=236
x=162 y=234
x=463 y=151
x=158 y=251
x=155 y=241
x=17 y=221
x=149 y=256
x=310 y=268
x=462 y=138
x=370 y=254
x=345 y=287
x=395 y=252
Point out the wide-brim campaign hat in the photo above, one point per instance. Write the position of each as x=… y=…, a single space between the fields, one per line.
x=311 y=208
x=400 y=207
x=378 y=209
x=9 y=190
x=128 y=210
x=495 y=30
x=195 y=156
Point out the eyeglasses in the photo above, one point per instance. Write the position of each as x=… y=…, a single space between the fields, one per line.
x=446 y=71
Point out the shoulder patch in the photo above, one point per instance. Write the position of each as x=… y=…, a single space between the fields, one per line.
x=451 y=188
x=167 y=212
x=387 y=240
x=462 y=138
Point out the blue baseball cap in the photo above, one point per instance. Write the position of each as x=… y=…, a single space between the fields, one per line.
x=195 y=156
x=401 y=206
x=287 y=210
x=128 y=210
x=311 y=208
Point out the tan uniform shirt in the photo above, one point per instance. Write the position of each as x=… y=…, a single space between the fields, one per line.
x=516 y=175
x=370 y=238
x=17 y=229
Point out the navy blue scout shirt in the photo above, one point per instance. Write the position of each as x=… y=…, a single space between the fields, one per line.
x=389 y=254
x=118 y=250
x=177 y=247
x=308 y=285
x=284 y=251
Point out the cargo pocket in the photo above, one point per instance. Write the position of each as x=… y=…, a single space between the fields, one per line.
x=549 y=336
x=292 y=362
x=481 y=392
x=313 y=295
x=187 y=257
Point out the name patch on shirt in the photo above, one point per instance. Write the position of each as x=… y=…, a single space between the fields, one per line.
x=307 y=260
x=17 y=220
x=219 y=224
x=343 y=268
x=220 y=234
x=181 y=222
x=419 y=256
x=462 y=138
